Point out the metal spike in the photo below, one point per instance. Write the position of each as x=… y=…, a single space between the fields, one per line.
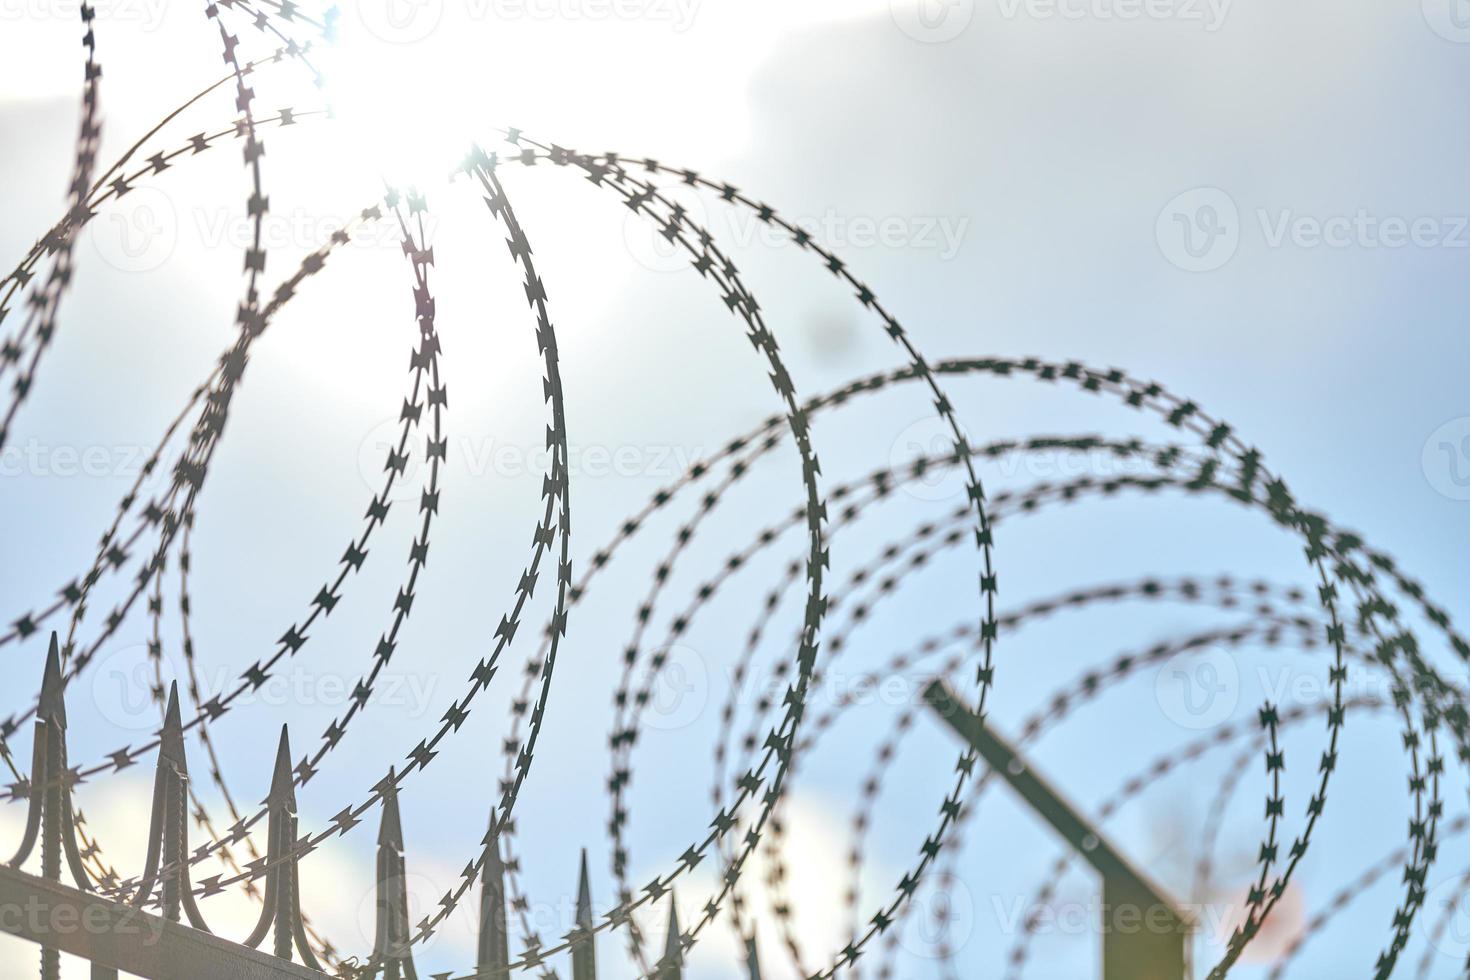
x=494 y=950
x=52 y=704
x=48 y=756
x=281 y=907
x=39 y=767
x=671 y=966
x=392 y=953
x=171 y=737
x=283 y=784
x=49 y=820
x=390 y=832
x=584 y=954
x=167 y=865
x=584 y=895
x=752 y=959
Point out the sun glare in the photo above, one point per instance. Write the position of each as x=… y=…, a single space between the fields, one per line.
x=396 y=112
x=416 y=83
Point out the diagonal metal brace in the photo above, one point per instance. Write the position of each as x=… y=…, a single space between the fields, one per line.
x=1145 y=933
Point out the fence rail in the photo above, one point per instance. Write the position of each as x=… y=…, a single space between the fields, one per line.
x=119 y=934
x=112 y=935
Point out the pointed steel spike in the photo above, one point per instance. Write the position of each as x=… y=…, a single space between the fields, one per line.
x=752 y=959
x=493 y=863
x=390 y=833
x=50 y=753
x=171 y=737
x=584 y=895
x=494 y=945
x=584 y=954
x=392 y=945
x=493 y=831
x=672 y=964
x=283 y=784
x=281 y=907
x=52 y=706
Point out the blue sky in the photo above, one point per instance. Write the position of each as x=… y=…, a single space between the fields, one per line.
x=1262 y=207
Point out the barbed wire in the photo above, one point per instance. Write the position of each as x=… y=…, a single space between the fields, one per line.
x=751 y=773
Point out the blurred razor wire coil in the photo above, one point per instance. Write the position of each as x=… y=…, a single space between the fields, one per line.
x=1360 y=613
